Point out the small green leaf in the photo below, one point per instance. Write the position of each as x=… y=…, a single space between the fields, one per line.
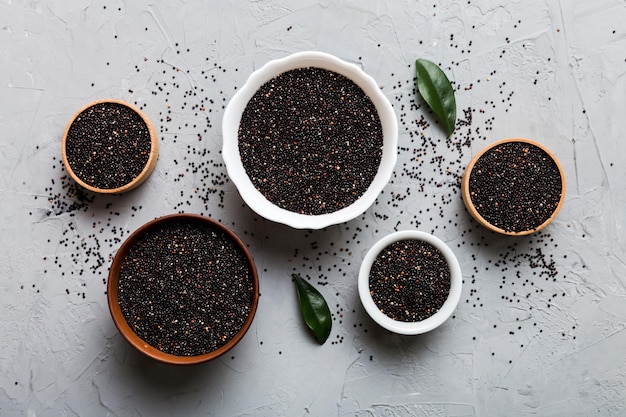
x=435 y=88
x=314 y=309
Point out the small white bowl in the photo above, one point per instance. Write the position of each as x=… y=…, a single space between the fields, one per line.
x=230 y=148
x=418 y=327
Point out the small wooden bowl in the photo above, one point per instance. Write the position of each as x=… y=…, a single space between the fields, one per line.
x=139 y=179
x=123 y=326
x=465 y=191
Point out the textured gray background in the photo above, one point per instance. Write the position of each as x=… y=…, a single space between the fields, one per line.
x=540 y=326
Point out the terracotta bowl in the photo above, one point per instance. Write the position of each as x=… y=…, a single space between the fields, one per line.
x=123 y=326
x=139 y=179
x=237 y=173
x=416 y=327
x=466 y=194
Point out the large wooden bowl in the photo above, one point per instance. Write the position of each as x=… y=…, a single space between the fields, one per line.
x=118 y=316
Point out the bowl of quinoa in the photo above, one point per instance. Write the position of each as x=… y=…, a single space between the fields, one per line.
x=410 y=282
x=183 y=289
x=309 y=140
x=514 y=187
x=109 y=147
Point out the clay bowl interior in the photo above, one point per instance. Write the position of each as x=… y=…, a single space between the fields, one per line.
x=123 y=326
x=230 y=151
x=145 y=173
x=418 y=327
x=465 y=191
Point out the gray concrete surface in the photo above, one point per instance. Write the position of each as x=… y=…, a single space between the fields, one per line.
x=540 y=326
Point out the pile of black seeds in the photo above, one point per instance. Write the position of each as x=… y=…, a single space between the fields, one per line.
x=311 y=141
x=429 y=171
x=185 y=288
x=534 y=272
x=515 y=186
x=108 y=145
x=409 y=280
x=84 y=246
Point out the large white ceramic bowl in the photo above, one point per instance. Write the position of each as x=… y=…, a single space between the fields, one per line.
x=418 y=327
x=230 y=148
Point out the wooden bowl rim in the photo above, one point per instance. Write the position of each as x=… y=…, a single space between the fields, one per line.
x=120 y=321
x=139 y=179
x=472 y=209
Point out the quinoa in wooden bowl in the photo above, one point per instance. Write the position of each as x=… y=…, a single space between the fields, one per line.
x=183 y=289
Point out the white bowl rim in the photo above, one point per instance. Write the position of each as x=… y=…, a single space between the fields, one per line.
x=230 y=147
x=432 y=322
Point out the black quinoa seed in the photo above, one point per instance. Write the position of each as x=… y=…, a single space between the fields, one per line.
x=409 y=280
x=515 y=186
x=108 y=145
x=185 y=288
x=311 y=141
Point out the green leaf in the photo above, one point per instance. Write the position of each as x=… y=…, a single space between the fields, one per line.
x=314 y=309
x=435 y=88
